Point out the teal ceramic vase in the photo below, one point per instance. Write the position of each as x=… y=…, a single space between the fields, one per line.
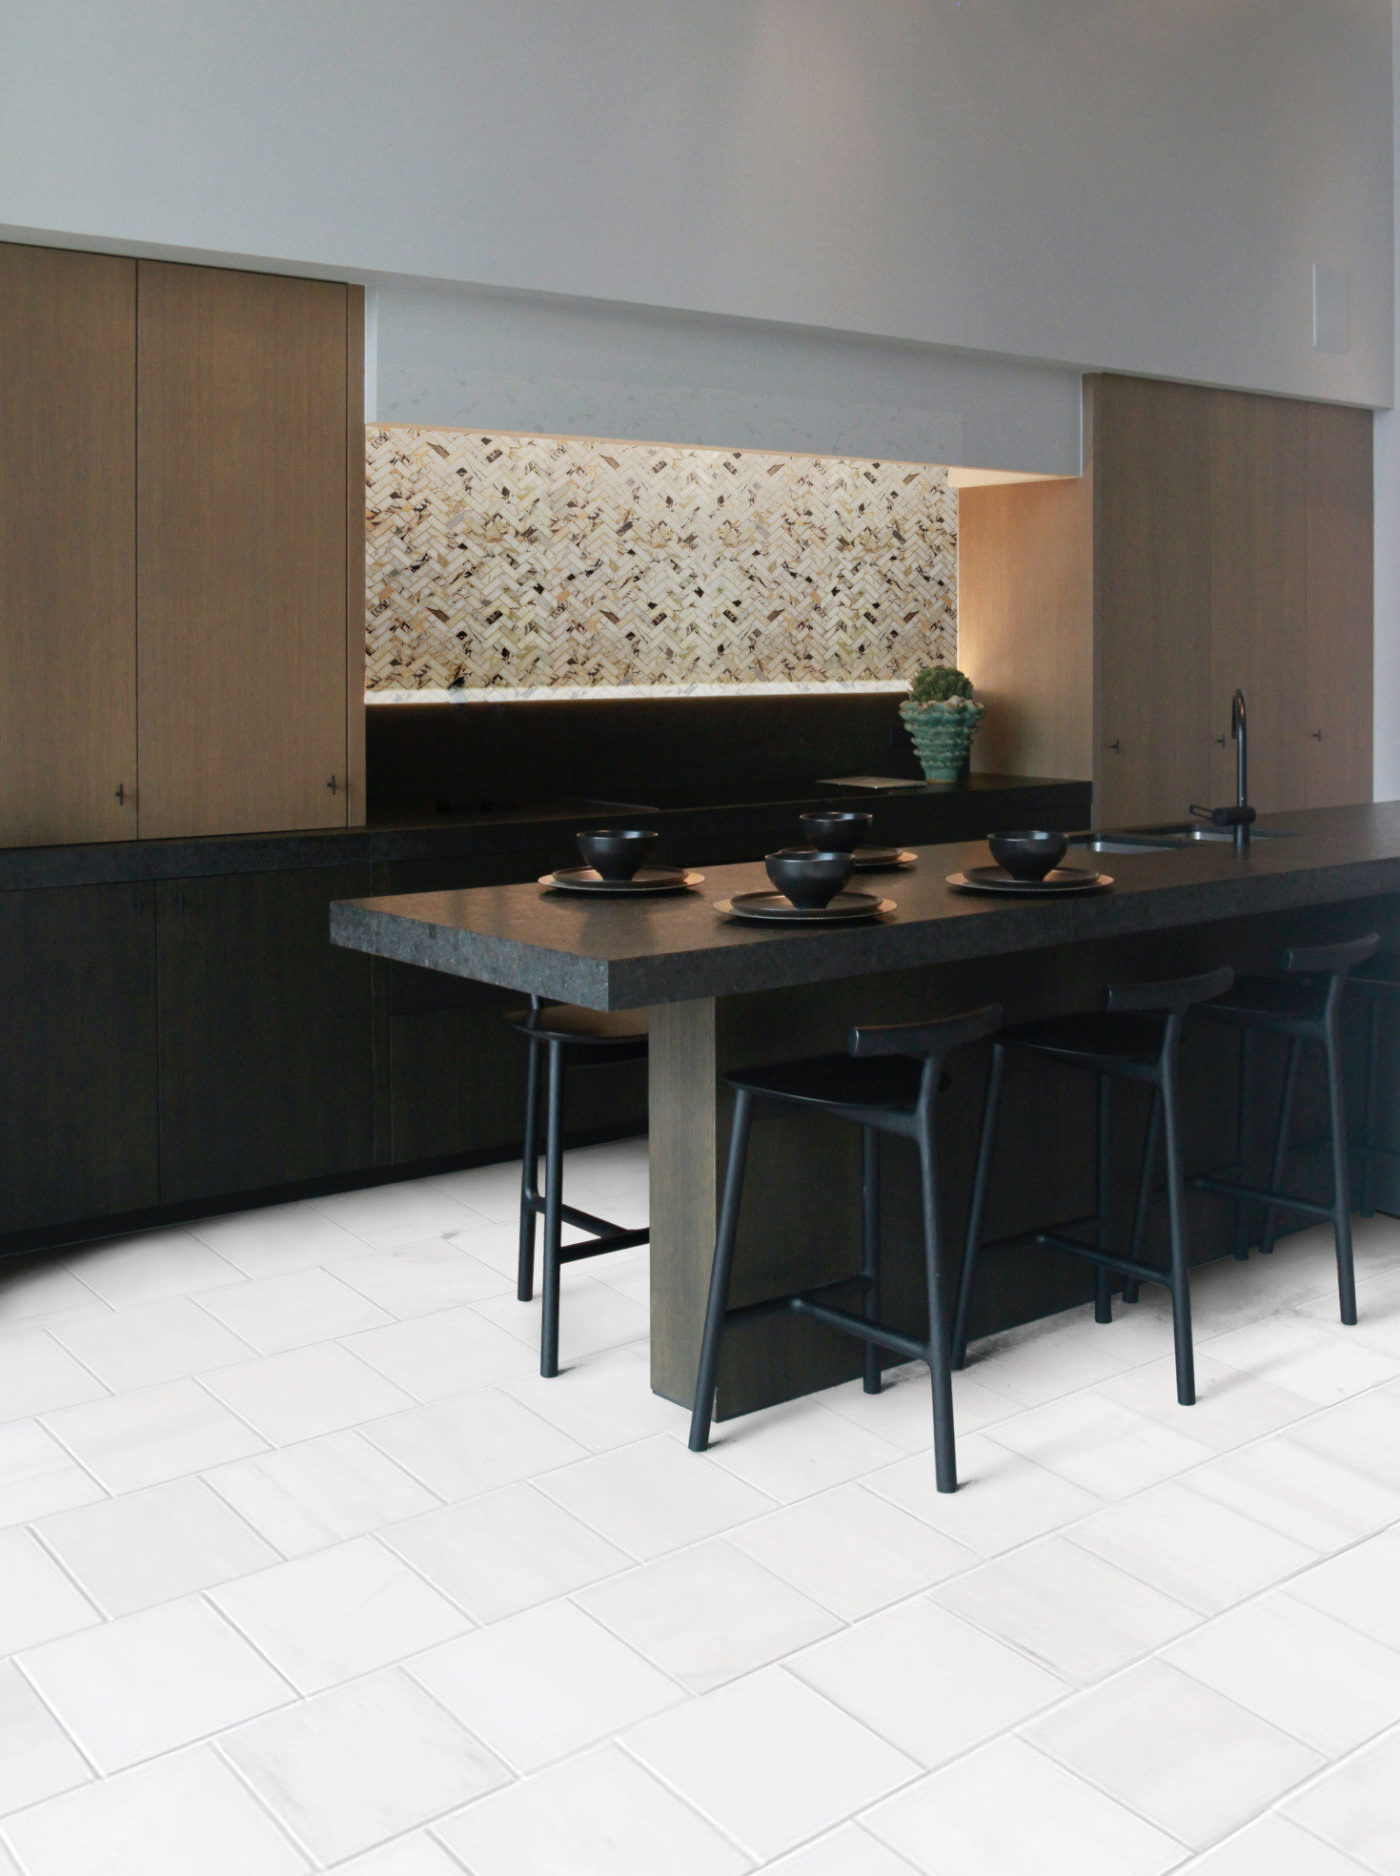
x=942 y=734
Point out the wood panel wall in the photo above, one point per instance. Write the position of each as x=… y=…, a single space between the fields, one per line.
x=1217 y=539
x=242 y=505
x=67 y=546
x=1340 y=606
x=1025 y=606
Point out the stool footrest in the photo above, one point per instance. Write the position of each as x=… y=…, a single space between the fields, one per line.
x=876 y=1332
x=1123 y=1266
x=583 y=1221
x=604 y=1242
x=1280 y=1201
x=814 y=1303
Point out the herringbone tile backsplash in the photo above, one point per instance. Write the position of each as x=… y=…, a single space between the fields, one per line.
x=511 y=562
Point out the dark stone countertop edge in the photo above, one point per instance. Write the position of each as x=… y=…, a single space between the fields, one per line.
x=810 y=957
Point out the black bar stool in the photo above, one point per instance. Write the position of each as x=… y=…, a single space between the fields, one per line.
x=889 y=1082
x=1378 y=981
x=565 y=1036
x=1302 y=1002
x=1136 y=1037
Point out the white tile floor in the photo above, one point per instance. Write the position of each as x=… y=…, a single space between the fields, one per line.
x=303 y=1567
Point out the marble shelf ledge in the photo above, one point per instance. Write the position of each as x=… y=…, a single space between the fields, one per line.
x=582 y=693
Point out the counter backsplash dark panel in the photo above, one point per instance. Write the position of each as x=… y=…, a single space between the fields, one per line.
x=672 y=752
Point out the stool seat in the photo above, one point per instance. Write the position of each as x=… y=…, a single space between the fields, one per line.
x=1095 y=1039
x=623 y=1032
x=888 y=1084
x=1271 y=1002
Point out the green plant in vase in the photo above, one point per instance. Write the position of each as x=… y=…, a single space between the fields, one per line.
x=941 y=715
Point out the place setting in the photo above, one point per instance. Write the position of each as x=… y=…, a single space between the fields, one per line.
x=839 y=830
x=1027 y=864
x=616 y=867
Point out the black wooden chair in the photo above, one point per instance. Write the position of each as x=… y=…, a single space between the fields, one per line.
x=1302 y=1002
x=562 y=1036
x=889 y=1082
x=1136 y=1037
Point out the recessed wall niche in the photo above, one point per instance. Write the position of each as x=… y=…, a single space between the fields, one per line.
x=560 y=565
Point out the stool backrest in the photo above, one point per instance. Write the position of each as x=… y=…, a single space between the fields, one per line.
x=1324 y=960
x=930 y=1040
x=1172 y=993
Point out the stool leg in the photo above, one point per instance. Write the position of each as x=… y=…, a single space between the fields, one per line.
x=529 y=1176
x=1285 y=1114
x=702 y=1412
x=977 y=1210
x=1180 y=1267
x=1131 y=1287
x=1103 y=1279
x=553 y=1220
x=870 y=1246
x=945 y=1463
x=1244 y=1129
x=1373 y=1076
x=1341 y=1175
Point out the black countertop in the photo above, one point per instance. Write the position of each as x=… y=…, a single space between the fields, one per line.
x=753 y=823
x=622 y=954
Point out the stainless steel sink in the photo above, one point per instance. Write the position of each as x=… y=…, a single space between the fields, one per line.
x=1120 y=843
x=1172 y=837
x=1181 y=833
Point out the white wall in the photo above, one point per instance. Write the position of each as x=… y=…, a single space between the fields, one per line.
x=1116 y=183
x=486 y=359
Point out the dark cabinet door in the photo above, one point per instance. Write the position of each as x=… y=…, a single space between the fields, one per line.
x=266 y=1046
x=78 y=1113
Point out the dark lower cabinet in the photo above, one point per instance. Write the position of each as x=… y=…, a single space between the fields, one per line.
x=265 y=1034
x=78 y=1111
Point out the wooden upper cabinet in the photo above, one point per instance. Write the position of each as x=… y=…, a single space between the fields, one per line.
x=67 y=546
x=1258 y=576
x=244 y=497
x=1152 y=599
x=1340 y=606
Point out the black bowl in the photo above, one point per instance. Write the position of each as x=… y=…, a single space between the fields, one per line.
x=1030 y=854
x=616 y=852
x=837 y=831
x=807 y=876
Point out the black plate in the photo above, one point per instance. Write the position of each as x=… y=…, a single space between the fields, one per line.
x=646 y=882
x=880 y=859
x=1063 y=879
x=772 y=908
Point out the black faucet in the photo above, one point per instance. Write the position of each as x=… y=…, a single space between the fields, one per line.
x=1240 y=816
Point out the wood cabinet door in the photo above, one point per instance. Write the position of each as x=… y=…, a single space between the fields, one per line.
x=241 y=550
x=1258 y=578
x=266 y=1049
x=67 y=546
x=78 y=1109
x=1340 y=607
x=1152 y=600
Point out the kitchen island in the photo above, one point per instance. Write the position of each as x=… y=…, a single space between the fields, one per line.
x=724 y=995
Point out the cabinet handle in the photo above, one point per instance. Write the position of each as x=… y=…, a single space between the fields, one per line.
x=121 y=793
x=1116 y=746
x=1317 y=736
x=332 y=784
x=1220 y=742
